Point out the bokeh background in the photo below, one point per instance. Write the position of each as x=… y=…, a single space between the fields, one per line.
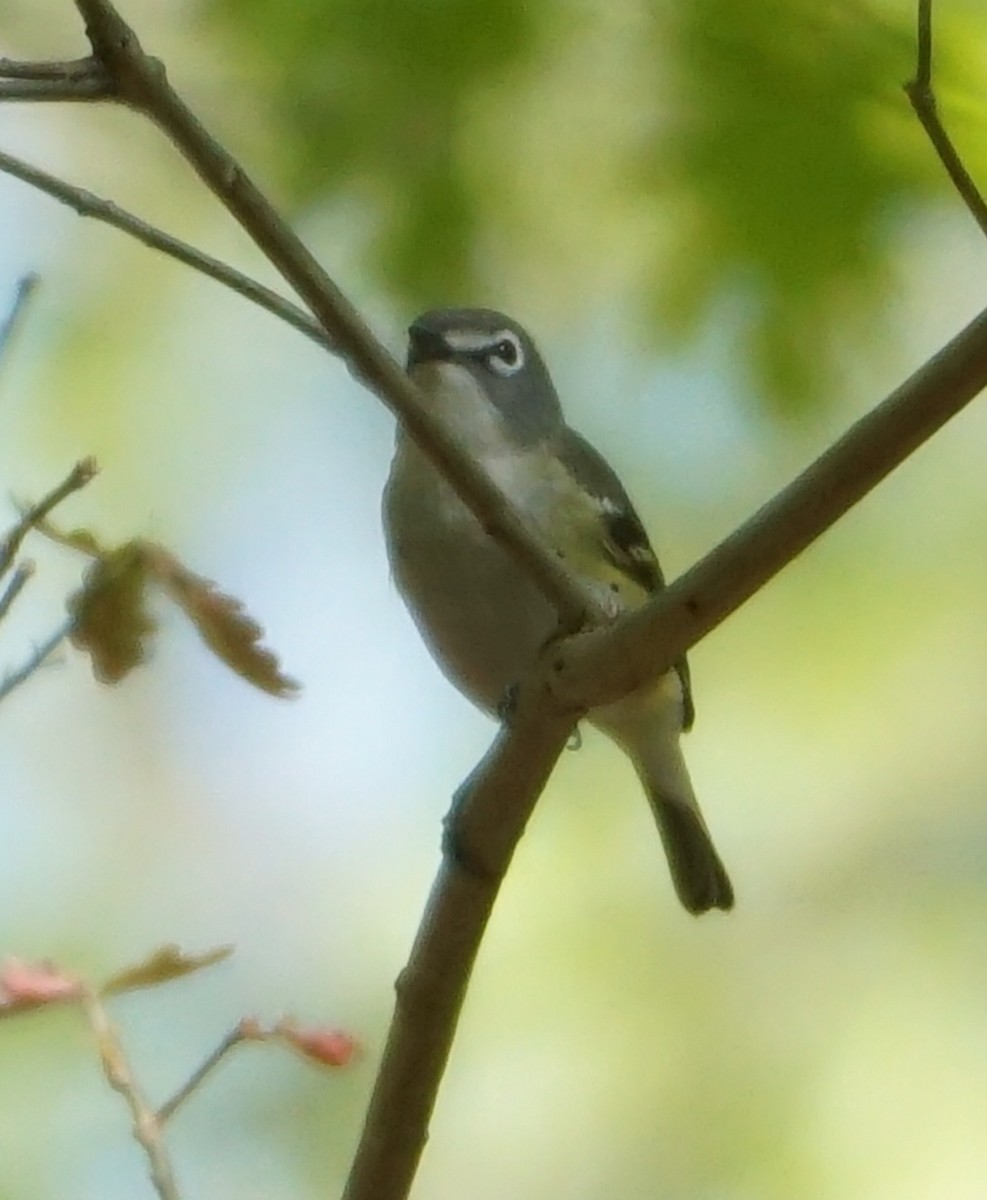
x=732 y=238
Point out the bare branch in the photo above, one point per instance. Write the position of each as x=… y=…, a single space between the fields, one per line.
x=487 y=821
x=24 y=292
x=321 y=1046
x=27 y=91
x=82 y=79
x=116 y=1068
x=18 y=581
x=923 y=46
x=38 y=658
x=81 y=474
x=240 y=1033
x=69 y=70
x=86 y=204
x=923 y=101
x=143 y=84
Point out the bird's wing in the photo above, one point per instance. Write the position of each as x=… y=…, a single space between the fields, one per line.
x=623 y=538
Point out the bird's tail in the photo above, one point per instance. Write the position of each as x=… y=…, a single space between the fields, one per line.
x=650 y=738
x=647 y=727
x=700 y=879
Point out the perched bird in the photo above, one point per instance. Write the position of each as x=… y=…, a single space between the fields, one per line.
x=483 y=619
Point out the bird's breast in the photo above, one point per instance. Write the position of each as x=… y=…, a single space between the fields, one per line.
x=482 y=618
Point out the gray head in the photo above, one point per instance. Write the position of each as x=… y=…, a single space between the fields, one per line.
x=502 y=359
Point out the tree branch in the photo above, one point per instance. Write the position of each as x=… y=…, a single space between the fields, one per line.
x=490 y=815
x=923 y=101
x=23 y=293
x=600 y=666
x=143 y=84
x=116 y=1068
x=86 y=204
x=82 y=79
x=38 y=658
x=580 y=673
x=82 y=473
x=18 y=581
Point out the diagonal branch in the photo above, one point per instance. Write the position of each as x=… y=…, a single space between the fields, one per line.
x=490 y=813
x=582 y=672
x=596 y=667
x=23 y=293
x=143 y=84
x=923 y=101
x=83 y=472
x=37 y=659
x=86 y=204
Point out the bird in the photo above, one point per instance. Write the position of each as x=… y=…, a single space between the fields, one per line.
x=483 y=619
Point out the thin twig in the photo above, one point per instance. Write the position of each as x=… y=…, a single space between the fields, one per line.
x=18 y=581
x=239 y=1034
x=40 y=656
x=71 y=69
x=81 y=79
x=923 y=101
x=144 y=86
x=923 y=44
x=25 y=290
x=41 y=91
x=146 y=1127
x=81 y=474
x=87 y=204
x=141 y=83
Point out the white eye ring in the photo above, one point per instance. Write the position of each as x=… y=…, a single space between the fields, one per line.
x=505 y=355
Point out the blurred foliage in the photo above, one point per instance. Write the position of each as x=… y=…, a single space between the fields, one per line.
x=378 y=93
x=765 y=150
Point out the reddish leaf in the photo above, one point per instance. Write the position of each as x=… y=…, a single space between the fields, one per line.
x=24 y=986
x=229 y=632
x=330 y=1047
x=111 y=620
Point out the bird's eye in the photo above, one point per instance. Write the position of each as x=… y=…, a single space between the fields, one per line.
x=506 y=351
x=504 y=356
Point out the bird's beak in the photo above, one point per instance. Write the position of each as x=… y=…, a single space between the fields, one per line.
x=425 y=345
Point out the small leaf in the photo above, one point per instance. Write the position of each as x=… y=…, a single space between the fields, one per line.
x=111 y=620
x=229 y=632
x=24 y=986
x=329 y=1047
x=164 y=965
x=75 y=539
